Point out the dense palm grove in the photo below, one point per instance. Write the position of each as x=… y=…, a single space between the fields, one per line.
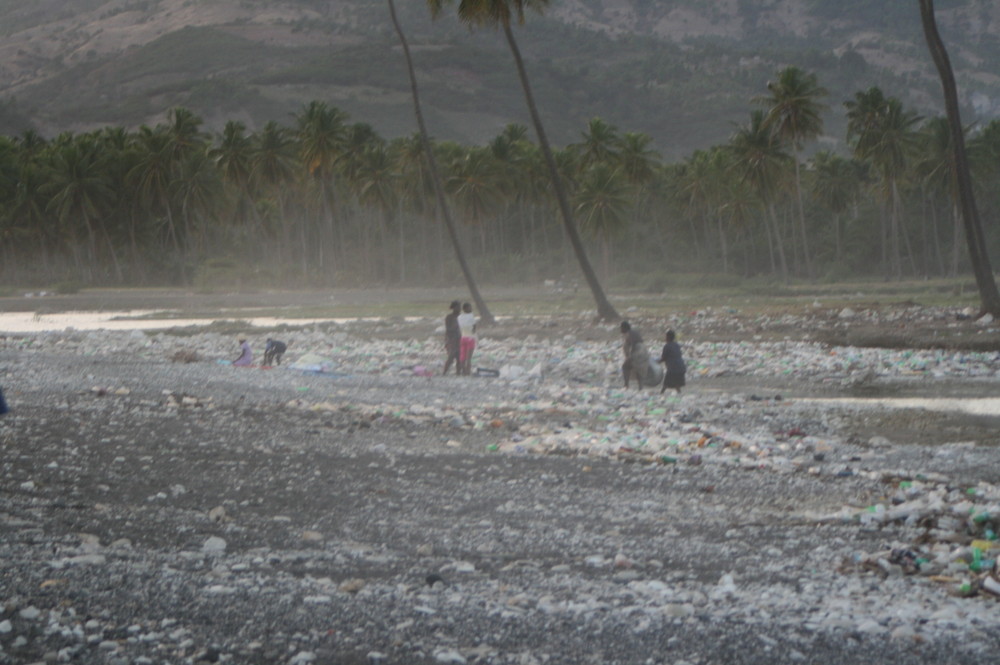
x=327 y=201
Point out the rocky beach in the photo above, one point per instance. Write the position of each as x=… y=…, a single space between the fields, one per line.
x=825 y=490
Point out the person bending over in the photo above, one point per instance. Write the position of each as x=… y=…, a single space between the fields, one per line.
x=273 y=351
x=636 y=356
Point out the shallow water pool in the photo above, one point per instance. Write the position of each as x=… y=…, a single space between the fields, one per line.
x=981 y=406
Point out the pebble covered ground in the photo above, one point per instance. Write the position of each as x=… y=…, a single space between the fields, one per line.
x=160 y=506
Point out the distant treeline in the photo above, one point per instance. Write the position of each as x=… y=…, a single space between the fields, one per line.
x=328 y=202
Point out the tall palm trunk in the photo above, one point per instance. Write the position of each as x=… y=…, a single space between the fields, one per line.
x=723 y=247
x=895 y=258
x=884 y=238
x=783 y=262
x=989 y=296
x=485 y=316
x=180 y=251
x=605 y=310
x=807 y=259
x=956 y=238
x=838 y=248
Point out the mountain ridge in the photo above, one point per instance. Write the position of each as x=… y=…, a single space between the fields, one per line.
x=682 y=71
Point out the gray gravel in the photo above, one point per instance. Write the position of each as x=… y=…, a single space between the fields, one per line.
x=162 y=512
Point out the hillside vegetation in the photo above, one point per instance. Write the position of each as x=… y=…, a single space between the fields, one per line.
x=682 y=71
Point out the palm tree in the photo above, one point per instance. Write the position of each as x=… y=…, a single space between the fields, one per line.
x=183 y=129
x=935 y=169
x=602 y=202
x=8 y=186
x=375 y=186
x=502 y=14
x=27 y=215
x=636 y=158
x=320 y=133
x=234 y=159
x=272 y=170
x=473 y=185
x=30 y=143
x=114 y=144
x=600 y=144
x=78 y=191
x=485 y=316
x=794 y=116
x=638 y=164
x=197 y=189
x=884 y=134
x=739 y=206
x=836 y=186
x=151 y=176
x=989 y=296
x=760 y=162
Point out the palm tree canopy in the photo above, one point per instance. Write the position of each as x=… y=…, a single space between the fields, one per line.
x=472 y=183
x=273 y=158
x=183 y=127
x=881 y=131
x=936 y=165
x=600 y=144
x=837 y=181
x=490 y=13
x=637 y=159
x=794 y=112
x=77 y=183
x=320 y=134
x=602 y=200
x=377 y=177
x=234 y=153
x=758 y=157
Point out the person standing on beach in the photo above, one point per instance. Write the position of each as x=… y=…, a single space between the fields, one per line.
x=452 y=338
x=673 y=361
x=245 y=358
x=636 y=355
x=467 y=343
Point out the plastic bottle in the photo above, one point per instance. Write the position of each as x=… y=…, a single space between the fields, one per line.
x=991 y=585
x=977 y=560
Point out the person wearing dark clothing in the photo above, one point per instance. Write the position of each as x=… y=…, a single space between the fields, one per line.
x=273 y=351
x=673 y=360
x=636 y=355
x=452 y=338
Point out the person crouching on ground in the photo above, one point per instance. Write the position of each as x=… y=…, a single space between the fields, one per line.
x=673 y=361
x=636 y=356
x=467 y=342
x=245 y=358
x=452 y=338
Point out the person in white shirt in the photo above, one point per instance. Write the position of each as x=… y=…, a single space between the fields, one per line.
x=467 y=324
